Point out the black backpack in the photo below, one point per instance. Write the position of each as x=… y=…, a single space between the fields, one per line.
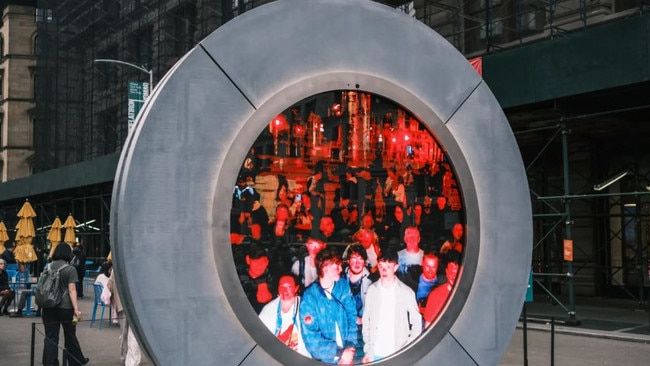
x=49 y=290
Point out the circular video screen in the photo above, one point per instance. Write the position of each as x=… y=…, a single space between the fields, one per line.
x=347 y=227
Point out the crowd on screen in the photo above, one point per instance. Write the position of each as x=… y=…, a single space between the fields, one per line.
x=355 y=280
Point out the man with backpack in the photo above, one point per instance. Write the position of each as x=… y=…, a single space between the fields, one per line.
x=60 y=278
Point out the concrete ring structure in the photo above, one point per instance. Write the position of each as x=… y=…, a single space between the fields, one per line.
x=172 y=193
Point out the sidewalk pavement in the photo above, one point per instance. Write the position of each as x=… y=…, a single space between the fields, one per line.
x=614 y=319
x=101 y=346
x=602 y=318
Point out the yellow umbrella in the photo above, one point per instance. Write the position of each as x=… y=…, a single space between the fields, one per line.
x=26 y=210
x=69 y=226
x=54 y=236
x=25 y=233
x=3 y=233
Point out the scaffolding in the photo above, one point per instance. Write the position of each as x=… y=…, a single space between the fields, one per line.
x=81 y=106
x=81 y=110
x=90 y=206
x=608 y=231
x=487 y=26
x=81 y=114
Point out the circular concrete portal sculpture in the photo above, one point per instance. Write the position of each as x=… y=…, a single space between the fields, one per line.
x=172 y=194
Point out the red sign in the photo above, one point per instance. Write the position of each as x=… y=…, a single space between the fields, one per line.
x=568 y=250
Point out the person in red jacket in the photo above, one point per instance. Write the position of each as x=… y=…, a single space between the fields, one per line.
x=438 y=297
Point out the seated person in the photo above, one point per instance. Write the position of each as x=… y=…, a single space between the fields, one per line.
x=102 y=279
x=104 y=274
x=5 y=290
x=282 y=316
x=24 y=290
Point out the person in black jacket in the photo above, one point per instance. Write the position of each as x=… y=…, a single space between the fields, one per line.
x=79 y=263
x=8 y=254
x=5 y=291
x=259 y=280
x=61 y=316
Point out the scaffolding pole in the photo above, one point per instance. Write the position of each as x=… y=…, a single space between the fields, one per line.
x=568 y=222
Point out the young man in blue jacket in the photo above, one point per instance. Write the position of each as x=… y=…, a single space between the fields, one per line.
x=328 y=313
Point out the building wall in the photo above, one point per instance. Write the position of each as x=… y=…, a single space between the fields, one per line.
x=486 y=26
x=83 y=109
x=18 y=67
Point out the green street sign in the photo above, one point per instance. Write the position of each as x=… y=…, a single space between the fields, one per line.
x=138 y=94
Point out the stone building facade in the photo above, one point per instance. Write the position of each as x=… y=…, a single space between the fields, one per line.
x=17 y=73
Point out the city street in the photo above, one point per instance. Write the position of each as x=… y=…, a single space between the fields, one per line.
x=102 y=346
x=574 y=350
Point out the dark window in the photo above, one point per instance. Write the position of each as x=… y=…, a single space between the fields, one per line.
x=44 y=15
x=36 y=89
x=139 y=47
x=112 y=9
x=108 y=71
x=183 y=20
x=108 y=131
x=37 y=46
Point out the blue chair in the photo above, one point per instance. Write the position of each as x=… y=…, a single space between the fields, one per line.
x=89 y=277
x=11 y=273
x=12 y=266
x=98 y=302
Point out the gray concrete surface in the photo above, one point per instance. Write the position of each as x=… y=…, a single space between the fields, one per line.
x=102 y=346
x=575 y=350
x=611 y=333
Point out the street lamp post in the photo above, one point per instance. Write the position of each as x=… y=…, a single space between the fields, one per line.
x=150 y=72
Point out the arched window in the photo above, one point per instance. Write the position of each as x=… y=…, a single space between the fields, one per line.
x=37 y=47
x=35 y=86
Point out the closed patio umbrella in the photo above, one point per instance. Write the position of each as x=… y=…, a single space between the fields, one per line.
x=69 y=226
x=25 y=233
x=54 y=236
x=3 y=234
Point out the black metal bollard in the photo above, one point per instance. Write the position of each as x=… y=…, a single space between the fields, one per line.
x=32 y=346
x=552 y=341
x=525 y=336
